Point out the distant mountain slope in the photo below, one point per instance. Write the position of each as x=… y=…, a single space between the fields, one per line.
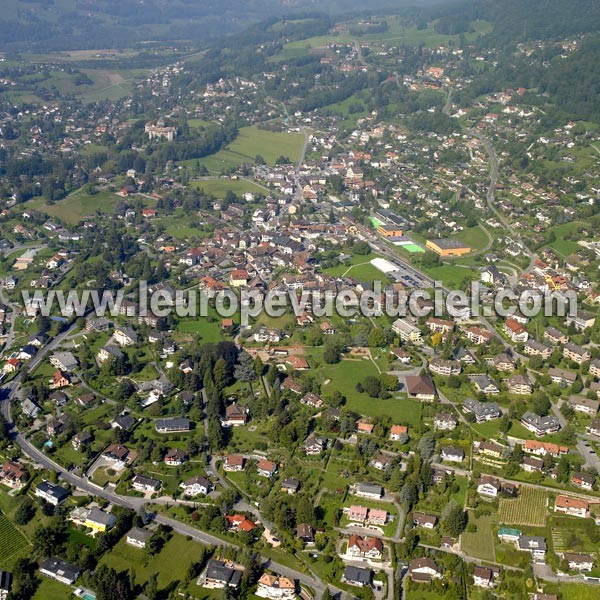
x=522 y=20
x=84 y=24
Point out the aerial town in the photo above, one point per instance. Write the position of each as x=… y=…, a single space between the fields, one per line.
x=161 y=454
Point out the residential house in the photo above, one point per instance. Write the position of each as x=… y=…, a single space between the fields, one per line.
x=535 y=348
x=368 y=490
x=594 y=427
x=485 y=384
x=52 y=493
x=124 y=422
x=491 y=448
x=578 y=562
x=445 y=422
x=220 y=574
x=357 y=576
x=561 y=376
x=488 y=486
x=585 y=481
x=116 y=453
x=174 y=425
x=427 y=521
x=478 y=336
x=483 y=411
x=175 y=457
x=532 y=464
x=12 y=475
x=290 y=485
x=423 y=570
x=543 y=448
x=368 y=547
x=60 y=379
x=196 y=486
x=576 y=353
x=234 y=462
x=406 y=331
x=81 y=440
x=364 y=427
x=274 y=587
x=420 y=387
x=584 y=405
x=5 y=584
x=125 y=336
x=453 y=454
x=305 y=532
x=398 y=433
x=144 y=484
x=520 y=385
x=484 y=576
x=535 y=545
x=571 y=506
x=65 y=361
x=60 y=570
x=235 y=416
x=311 y=399
x=240 y=523
x=93 y=518
x=540 y=425
x=554 y=336
x=442 y=326
x=515 y=331
x=138 y=537
x=266 y=468
x=439 y=366
x=315 y=444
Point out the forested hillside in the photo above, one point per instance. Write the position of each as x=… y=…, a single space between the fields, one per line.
x=43 y=25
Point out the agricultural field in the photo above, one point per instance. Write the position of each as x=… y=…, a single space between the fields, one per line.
x=12 y=541
x=570 y=534
x=528 y=509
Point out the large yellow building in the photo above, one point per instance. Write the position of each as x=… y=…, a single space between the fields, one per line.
x=448 y=247
x=389 y=230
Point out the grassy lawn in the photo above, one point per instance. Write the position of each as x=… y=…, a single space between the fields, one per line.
x=474 y=236
x=208 y=330
x=562 y=246
x=52 y=590
x=102 y=476
x=348 y=266
x=361 y=271
x=576 y=591
x=251 y=142
x=220 y=187
x=77 y=205
x=171 y=564
x=452 y=276
x=401 y=410
x=481 y=543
